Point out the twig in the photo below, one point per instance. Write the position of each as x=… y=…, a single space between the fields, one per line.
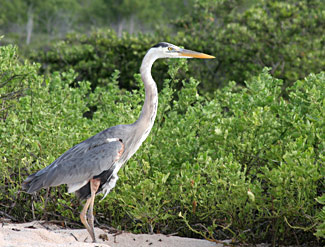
x=211 y=238
x=74 y=237
x=116 y=234
x=33 y=211
x=107 y=227
x=45 y=202
x=299 y=227
x=8 y=216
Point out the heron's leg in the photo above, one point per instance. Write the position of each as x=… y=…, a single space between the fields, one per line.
x=94 y=185
x=83 y=217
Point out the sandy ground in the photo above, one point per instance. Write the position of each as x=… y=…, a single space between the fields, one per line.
x=40 y=234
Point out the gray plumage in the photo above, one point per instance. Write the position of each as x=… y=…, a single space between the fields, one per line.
x=73 y=167
x=91 y=166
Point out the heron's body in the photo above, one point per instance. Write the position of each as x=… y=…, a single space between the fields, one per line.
x=91 y=166
x=102 y=155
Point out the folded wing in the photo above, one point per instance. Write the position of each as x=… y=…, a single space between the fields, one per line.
x=77 y=165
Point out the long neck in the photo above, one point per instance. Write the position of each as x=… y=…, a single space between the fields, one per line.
x=149 y=108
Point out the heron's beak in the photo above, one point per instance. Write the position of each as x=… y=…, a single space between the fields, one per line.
x=194 y=54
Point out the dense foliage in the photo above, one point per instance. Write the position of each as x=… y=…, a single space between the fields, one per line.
x=246 y=165
x=95 y=57
x=244 y=36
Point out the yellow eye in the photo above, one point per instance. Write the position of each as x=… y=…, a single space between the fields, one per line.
x=170 y=49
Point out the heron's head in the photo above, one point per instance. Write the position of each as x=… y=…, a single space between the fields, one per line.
x=167 y=50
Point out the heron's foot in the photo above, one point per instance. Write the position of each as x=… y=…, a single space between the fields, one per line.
x=89 y=228
x=84 y=220
x=90 y=217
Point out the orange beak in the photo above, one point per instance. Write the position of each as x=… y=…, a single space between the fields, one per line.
x=194 y=54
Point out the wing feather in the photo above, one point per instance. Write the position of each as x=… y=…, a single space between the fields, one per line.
x=77 y=165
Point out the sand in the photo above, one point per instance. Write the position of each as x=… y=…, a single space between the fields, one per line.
x=41 y=234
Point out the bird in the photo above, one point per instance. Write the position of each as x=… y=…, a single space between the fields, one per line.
x=92 y=166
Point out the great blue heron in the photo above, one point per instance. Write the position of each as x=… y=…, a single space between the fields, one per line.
x=91 y=166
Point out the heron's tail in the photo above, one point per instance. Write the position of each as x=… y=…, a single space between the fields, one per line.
x=34 y=182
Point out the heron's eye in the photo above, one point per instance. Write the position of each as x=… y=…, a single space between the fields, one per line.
x=170 y=49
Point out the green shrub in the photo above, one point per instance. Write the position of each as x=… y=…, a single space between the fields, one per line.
x=246 y=36
x=247 y=164
x=95 y=57
x=15 y=79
